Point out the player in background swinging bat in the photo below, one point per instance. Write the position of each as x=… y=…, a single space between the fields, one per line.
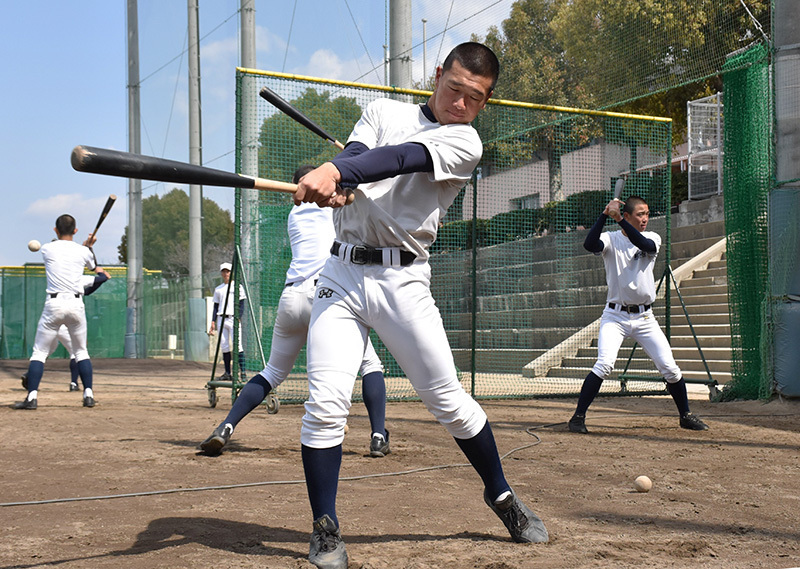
x=64 y=261
x=311 y=234
x=629 y=255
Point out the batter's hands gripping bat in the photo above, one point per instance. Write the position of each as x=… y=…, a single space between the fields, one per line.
x=294 y=113
x=109 y=204
x=129 y=165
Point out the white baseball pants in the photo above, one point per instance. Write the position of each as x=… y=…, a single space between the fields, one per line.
x=68 y=310
x=395 y=302
x=616 y=325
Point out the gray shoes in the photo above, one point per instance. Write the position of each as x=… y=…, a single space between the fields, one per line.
x=523 y=525
x=693 y=423
x=218 y=439
x=327 y=549
x=379 y=446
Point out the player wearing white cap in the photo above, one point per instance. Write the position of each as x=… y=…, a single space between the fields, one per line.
x=64 y=261
x=629 y=255
x=222 y=319
x=311 y=234
x=410 y=162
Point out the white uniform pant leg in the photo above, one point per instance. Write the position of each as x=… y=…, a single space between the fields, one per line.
x=75 y=321
x=289 y=332
x=46 y=339
x=648 y=333
x=410 y=326
x=336 y=343
x=614 y=328
x=371 y=362
x=226 y=332
x=63 y=337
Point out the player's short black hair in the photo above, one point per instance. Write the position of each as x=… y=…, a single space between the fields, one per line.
x=302 y=171
x=475 y=58
x=631 y=203
x=65 y=225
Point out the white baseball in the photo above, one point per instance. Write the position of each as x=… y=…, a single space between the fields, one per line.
x=34 y=245
x=642 y=484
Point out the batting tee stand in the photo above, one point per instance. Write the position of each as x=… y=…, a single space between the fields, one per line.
x=713 y=390
x=236 y=383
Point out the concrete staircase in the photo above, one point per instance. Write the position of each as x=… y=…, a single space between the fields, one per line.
x=539 y=293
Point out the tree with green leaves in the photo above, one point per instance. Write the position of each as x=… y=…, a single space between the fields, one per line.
x=165 y=234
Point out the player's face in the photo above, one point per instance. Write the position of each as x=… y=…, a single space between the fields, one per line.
x=226 y=275
x=459 y=95
x=639 y=217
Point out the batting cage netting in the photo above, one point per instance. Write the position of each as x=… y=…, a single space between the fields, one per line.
x=519 y=295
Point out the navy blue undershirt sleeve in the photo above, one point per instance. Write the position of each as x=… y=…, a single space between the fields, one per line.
x=99 y=279
x=241 y=307
x=592 y=243
x=359 y=164
x=642 y=242
x=214 y=313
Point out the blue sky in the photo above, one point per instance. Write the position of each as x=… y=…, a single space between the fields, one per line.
x=64 y=72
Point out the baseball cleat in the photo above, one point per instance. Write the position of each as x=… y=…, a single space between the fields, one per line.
x=218 y=439
x=27 y=404
x=577 y=424
x=225 y=377
x=379 y=446
x=327 y=549
x=523 y=525
x=73 y=387
x=693 y=423
x=88 y=401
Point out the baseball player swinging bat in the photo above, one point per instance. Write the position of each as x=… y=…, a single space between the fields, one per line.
x=294 y=113
x=107 y=208
x=129 y=165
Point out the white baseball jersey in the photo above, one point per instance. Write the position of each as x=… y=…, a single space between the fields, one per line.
x=404 y=211
x=311 y=235
x=219 y=298
x=629 y=270
x=64 y=262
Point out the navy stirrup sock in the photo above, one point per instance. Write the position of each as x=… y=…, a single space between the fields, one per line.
x=250 y=397
x=85 y=371
x=373 y=389
x=35 y=373
x=321 y=466
x=481 y=451
x=589 y=390
x=73 y=370
x=226 y=358
x=679 y=395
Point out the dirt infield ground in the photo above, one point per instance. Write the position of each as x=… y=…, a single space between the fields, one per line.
x=725 y=498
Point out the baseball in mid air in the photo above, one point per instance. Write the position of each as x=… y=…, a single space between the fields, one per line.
x=34 y=245
x=642 y=484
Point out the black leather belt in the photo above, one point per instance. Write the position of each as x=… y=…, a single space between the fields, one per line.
x=55 y=294
x=363 y=255
x=635 y=309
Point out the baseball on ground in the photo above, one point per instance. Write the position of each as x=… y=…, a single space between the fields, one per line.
x=34 y=245
x=642 y=484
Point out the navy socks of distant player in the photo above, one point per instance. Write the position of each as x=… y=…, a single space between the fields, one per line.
x=321 y=467
x=226 y=358
x=85 y=371
x=241 y=364
x=679 y=395
x=373 y=389
x=73 y=371
x=589 y=390
x=35 y=372
x=481 y=451
x=250 y=397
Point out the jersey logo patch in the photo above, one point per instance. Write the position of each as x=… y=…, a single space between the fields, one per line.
x=324 y=293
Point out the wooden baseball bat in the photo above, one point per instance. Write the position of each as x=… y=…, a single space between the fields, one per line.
x=129 y=165
x=618 y=185
x=109 y=204
x=294 y=113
